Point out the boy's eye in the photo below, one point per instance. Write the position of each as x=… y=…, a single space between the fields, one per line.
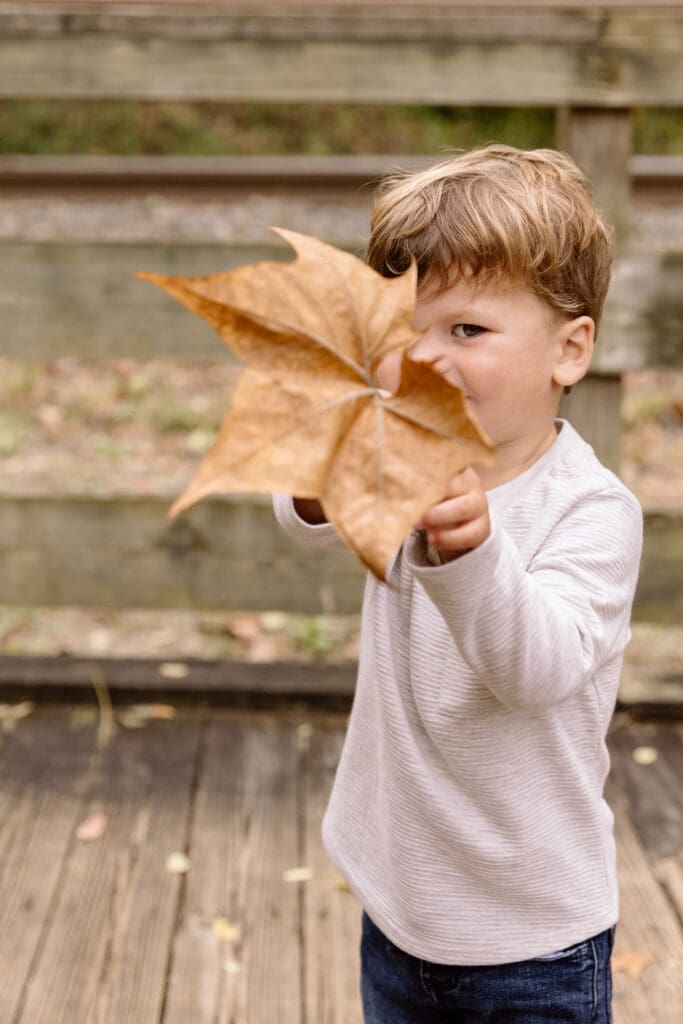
x=466 y=330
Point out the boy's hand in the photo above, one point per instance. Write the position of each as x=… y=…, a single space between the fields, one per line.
x=460 y=522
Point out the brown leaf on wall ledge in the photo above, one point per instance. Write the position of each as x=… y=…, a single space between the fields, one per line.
x=307 y=415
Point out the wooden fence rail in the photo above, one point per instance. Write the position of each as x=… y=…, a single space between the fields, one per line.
x=506 y=54
x=593 y=62
x=117 y=552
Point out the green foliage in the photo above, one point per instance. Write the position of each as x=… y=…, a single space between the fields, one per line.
x=125 y=127
x=659 y=132
x=168 y=415
x=314 y=635
x=60 y=127
x=13 y=433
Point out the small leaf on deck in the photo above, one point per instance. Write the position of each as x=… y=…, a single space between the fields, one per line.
x=303 y=736
x=225 y=931
x=12 y=714
x=297 y=875
x=92 y=828
x=136 y=716
x=645 y=755
x=630 y=962
x=173 y=670
x=177 y=863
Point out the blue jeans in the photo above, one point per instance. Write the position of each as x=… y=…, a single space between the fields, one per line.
x=573 y=986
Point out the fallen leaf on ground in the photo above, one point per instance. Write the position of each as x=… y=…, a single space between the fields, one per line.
x=307 y=415
x=92 y=827
x=304 y=731
x=12 y=714
x=630 y=962
x=273 y=622
x=177 y=863
x=645 y=755
x=224 y=930
x=137 y=716
x=173 y=670
x=244 y=627
x=267 y=647
x=297 y=875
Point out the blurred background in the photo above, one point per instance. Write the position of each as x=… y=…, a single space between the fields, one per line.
x=120 y=424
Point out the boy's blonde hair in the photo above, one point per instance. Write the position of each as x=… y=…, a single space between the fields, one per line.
x=498 y=212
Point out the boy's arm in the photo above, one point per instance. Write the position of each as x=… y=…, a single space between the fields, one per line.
x=296 y=515
x=535 y=634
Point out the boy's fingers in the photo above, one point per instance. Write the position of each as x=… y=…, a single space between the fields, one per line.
x=465 y=537
x=466 y=480
x=455 y=510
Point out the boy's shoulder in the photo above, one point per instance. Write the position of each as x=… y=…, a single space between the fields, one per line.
x=577 y=469
x=567 y=477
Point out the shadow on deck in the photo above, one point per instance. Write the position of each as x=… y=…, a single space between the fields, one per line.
x=260 y=929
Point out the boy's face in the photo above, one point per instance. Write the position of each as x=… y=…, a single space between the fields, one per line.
x=500 y=344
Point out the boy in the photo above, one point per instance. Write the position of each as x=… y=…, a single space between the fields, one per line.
x=467 y=810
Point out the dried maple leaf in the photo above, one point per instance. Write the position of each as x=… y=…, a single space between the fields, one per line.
x=630 y=962
x=307 y=416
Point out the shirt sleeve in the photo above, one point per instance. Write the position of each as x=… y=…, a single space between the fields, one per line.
x=320 y=535
x=535 y=634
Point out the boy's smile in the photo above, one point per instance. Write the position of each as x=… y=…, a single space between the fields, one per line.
x=508 y=351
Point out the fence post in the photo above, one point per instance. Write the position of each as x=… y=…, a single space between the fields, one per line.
x=600 y=140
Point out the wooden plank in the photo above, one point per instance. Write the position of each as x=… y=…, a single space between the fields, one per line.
x=107 y=938
x=223 y=553
x=648 y=926
x=43 y=777
x=29 y=676
x=669 y=874
x=601 y=142
x=454 y=55
x=81 y=298
x=653 y=791
x=331 y=914
x=65 y=292
x=658 y=597
x=244 y=836
x=594 y=408
x=651 y=694
x=433 y=4
x=650 y=175
x=119 y=552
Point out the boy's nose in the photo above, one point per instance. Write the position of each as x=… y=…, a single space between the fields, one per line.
x=426 y=348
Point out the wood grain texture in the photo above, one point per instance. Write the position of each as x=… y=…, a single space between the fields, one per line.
x=244 y=835
x=106 y=941
x=227 y=553
x=331 y=913
x=43 y=787
x=82 y=299
x=118 y=939
x=481 y=56
x=648 y=808
x=601 y=142
x=119 y=552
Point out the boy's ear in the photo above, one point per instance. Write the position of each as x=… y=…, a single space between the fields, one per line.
x=577 y=340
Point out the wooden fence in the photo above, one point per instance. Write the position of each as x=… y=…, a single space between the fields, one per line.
x=593 y=62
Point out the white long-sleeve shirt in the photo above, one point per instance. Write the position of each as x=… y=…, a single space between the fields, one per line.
x=467 y=812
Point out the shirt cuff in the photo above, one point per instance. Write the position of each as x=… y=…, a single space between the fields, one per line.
x=320 y=535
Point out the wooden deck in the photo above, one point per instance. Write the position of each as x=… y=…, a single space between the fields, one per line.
x=100 y=932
